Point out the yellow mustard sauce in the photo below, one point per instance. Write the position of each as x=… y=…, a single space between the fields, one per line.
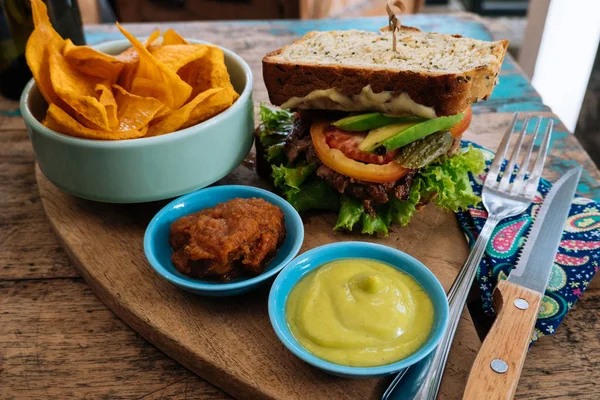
x=359 y=312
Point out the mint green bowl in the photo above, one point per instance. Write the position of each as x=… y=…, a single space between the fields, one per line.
x=145 y=169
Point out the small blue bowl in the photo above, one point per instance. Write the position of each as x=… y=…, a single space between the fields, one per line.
x=316 y=257
x=158 y=251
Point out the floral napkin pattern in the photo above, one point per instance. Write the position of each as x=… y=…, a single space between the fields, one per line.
x=574 y=266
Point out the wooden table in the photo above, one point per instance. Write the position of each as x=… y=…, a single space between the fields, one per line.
x=57 y=340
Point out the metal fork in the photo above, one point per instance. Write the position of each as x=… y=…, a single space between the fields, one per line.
x=502 y=199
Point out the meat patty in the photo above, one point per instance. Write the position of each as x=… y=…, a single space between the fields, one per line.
x=378 y=192
x=235 y=237
x=299 y=141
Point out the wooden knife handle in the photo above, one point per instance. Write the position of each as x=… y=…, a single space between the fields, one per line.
x=497 y=368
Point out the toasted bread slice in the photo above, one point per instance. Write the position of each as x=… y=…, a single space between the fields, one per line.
x=430 y=74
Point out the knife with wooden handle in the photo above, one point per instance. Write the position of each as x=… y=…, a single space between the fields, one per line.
x=497 y=367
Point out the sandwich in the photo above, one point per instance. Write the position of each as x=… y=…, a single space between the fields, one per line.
x=372 y=133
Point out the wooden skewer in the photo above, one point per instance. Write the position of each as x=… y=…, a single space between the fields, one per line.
x=394 y=8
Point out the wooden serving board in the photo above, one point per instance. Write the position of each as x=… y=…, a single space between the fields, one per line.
x=229 y=341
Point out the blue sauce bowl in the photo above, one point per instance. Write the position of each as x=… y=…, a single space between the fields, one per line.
x=315 y=258
x=158 y=251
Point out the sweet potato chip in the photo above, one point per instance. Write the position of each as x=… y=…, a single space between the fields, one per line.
x=152 y=42
x=78 y=91
x=216 y=104
x=172 y=90
x=93 y=62
x=175 y=56
x=163 y=112
x=60 y=121
x=172 y=37
x=107 y=99
x=156 y=83
x=42 y=41
x=178 y=118
x=150 y=88
x=207 y=72
x=135 y=112
x=130 y=55
x=130 y=58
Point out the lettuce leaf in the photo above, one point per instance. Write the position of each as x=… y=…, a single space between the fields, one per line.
x=450 y=179
x=315 y=194
x=290 y=179
x=275 y=127
x=447 y=180
x=377 y=224
x=274 y=154
x=403 y=211
x=275 y=121
x=350 y=212
x=272 y=139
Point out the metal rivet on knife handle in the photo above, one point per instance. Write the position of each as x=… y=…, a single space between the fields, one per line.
x=499 y=366
x=521 y=304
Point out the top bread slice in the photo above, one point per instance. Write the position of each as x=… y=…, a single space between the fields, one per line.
x=441 y=71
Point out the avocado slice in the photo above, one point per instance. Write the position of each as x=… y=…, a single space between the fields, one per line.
x=398 y=135
x=376 y=137
x=366 y=122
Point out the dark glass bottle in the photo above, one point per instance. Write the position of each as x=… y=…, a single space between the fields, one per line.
x=16 y=25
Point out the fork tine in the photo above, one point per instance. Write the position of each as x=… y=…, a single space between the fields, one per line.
x=534 y=178
x=492 y=174
x=505 y=181
x=523 y=171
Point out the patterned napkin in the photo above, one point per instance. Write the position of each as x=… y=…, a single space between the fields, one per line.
x=574 y=266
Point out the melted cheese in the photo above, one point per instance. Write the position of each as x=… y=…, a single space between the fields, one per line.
x=385 y=102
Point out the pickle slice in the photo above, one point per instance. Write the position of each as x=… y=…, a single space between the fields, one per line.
x=424 y=151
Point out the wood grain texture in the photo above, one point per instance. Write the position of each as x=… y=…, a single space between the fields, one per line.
x=28 y=247
x=227 y=341
x=508 y=340
x=560 y=366
x=58 y=341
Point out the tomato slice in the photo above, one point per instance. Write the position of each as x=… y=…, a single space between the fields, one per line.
x=462 y=125
x=347 y=143
x=337 y=161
